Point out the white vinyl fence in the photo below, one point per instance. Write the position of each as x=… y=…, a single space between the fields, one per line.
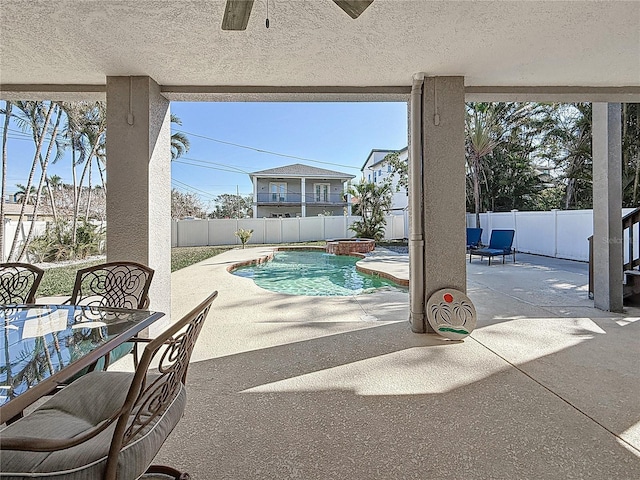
x=10 y=228
x=191 y=233
x=558 y=233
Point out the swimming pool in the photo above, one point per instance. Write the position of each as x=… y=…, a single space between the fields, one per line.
x=316 y=274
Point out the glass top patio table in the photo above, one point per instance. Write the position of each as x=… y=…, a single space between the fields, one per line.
x=44 y=345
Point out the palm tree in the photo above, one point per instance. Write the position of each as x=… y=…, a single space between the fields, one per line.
x=179 y=141
x=7 y=115
x=480 y=130
x=55 y=181
x=85 y=134
x=43 y=164
x=35 y=117
x=24 y=196
x=52 y=200
x=511 y=126
x=374 y=201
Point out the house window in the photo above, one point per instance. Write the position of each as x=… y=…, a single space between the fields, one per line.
x=321 y=192
x=278 y=192
x=380 y=172
x=369 y=178
x=388 y=168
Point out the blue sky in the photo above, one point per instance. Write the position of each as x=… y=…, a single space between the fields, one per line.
x=339 y=134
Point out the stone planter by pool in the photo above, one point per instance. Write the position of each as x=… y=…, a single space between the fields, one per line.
x=346 y=246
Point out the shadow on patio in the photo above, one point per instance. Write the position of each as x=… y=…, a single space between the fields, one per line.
x=317 y=388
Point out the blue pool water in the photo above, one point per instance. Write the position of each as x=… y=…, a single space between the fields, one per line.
x=311 y=273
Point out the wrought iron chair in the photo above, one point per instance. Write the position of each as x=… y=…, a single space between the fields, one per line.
x=108 y=424
x=19 y=282
x=115 y=285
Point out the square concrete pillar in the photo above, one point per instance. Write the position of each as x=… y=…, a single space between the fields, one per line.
x=139 y=182
x=607 y=206
x=444 y=179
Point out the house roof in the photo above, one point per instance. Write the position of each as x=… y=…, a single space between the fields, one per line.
x=14 y=209
x=298 y=170
x=375 y=150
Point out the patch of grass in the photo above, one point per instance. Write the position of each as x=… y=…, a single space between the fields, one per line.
x=59 y=280
x=182 y=257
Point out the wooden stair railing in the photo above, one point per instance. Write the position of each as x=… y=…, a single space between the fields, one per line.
x=629 y=222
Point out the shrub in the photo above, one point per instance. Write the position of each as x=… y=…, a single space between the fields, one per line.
x=243 y=235
x=56 y=244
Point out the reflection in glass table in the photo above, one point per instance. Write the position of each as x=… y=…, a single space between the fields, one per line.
x=44 y=345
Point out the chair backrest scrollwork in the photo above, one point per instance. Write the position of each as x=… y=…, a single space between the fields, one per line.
x=150 y=395
x=114 y=284
x=19 y=282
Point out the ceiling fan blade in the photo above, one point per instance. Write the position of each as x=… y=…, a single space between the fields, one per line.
x=236 y=14
x=353 y=7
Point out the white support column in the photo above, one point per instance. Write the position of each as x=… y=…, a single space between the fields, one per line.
x=303 y=197
x=607 y=207
x=443 y=180
x=139 y=182
x=255 y=196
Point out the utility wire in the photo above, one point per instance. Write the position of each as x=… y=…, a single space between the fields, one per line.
x=180 y=184
x=269 y=152
x=207 y=166
x=247 y=147
x=209 y=162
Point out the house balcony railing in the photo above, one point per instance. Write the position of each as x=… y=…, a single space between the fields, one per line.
x=296 y=199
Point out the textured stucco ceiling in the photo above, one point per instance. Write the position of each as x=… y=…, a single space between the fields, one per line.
x=314 y=43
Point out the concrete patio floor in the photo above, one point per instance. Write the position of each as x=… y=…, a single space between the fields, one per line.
x=283 y=386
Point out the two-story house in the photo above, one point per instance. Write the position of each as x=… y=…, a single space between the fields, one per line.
x=300 y=191
x=377 y=170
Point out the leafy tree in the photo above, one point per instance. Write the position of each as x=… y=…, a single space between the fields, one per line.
x=549 y=198
x=374 y=201
x=513 y=183
x=232 y=206
x=572 y=132
x=568 y=144
x=631 y=154
x=514 y=130
x=400 y=168
x=185 y=205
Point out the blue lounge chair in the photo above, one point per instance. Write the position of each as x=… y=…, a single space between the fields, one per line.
x=473 y=238
x=499 y=244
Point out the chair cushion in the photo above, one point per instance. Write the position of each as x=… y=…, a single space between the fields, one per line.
x=76 y=408
x=492 y=251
